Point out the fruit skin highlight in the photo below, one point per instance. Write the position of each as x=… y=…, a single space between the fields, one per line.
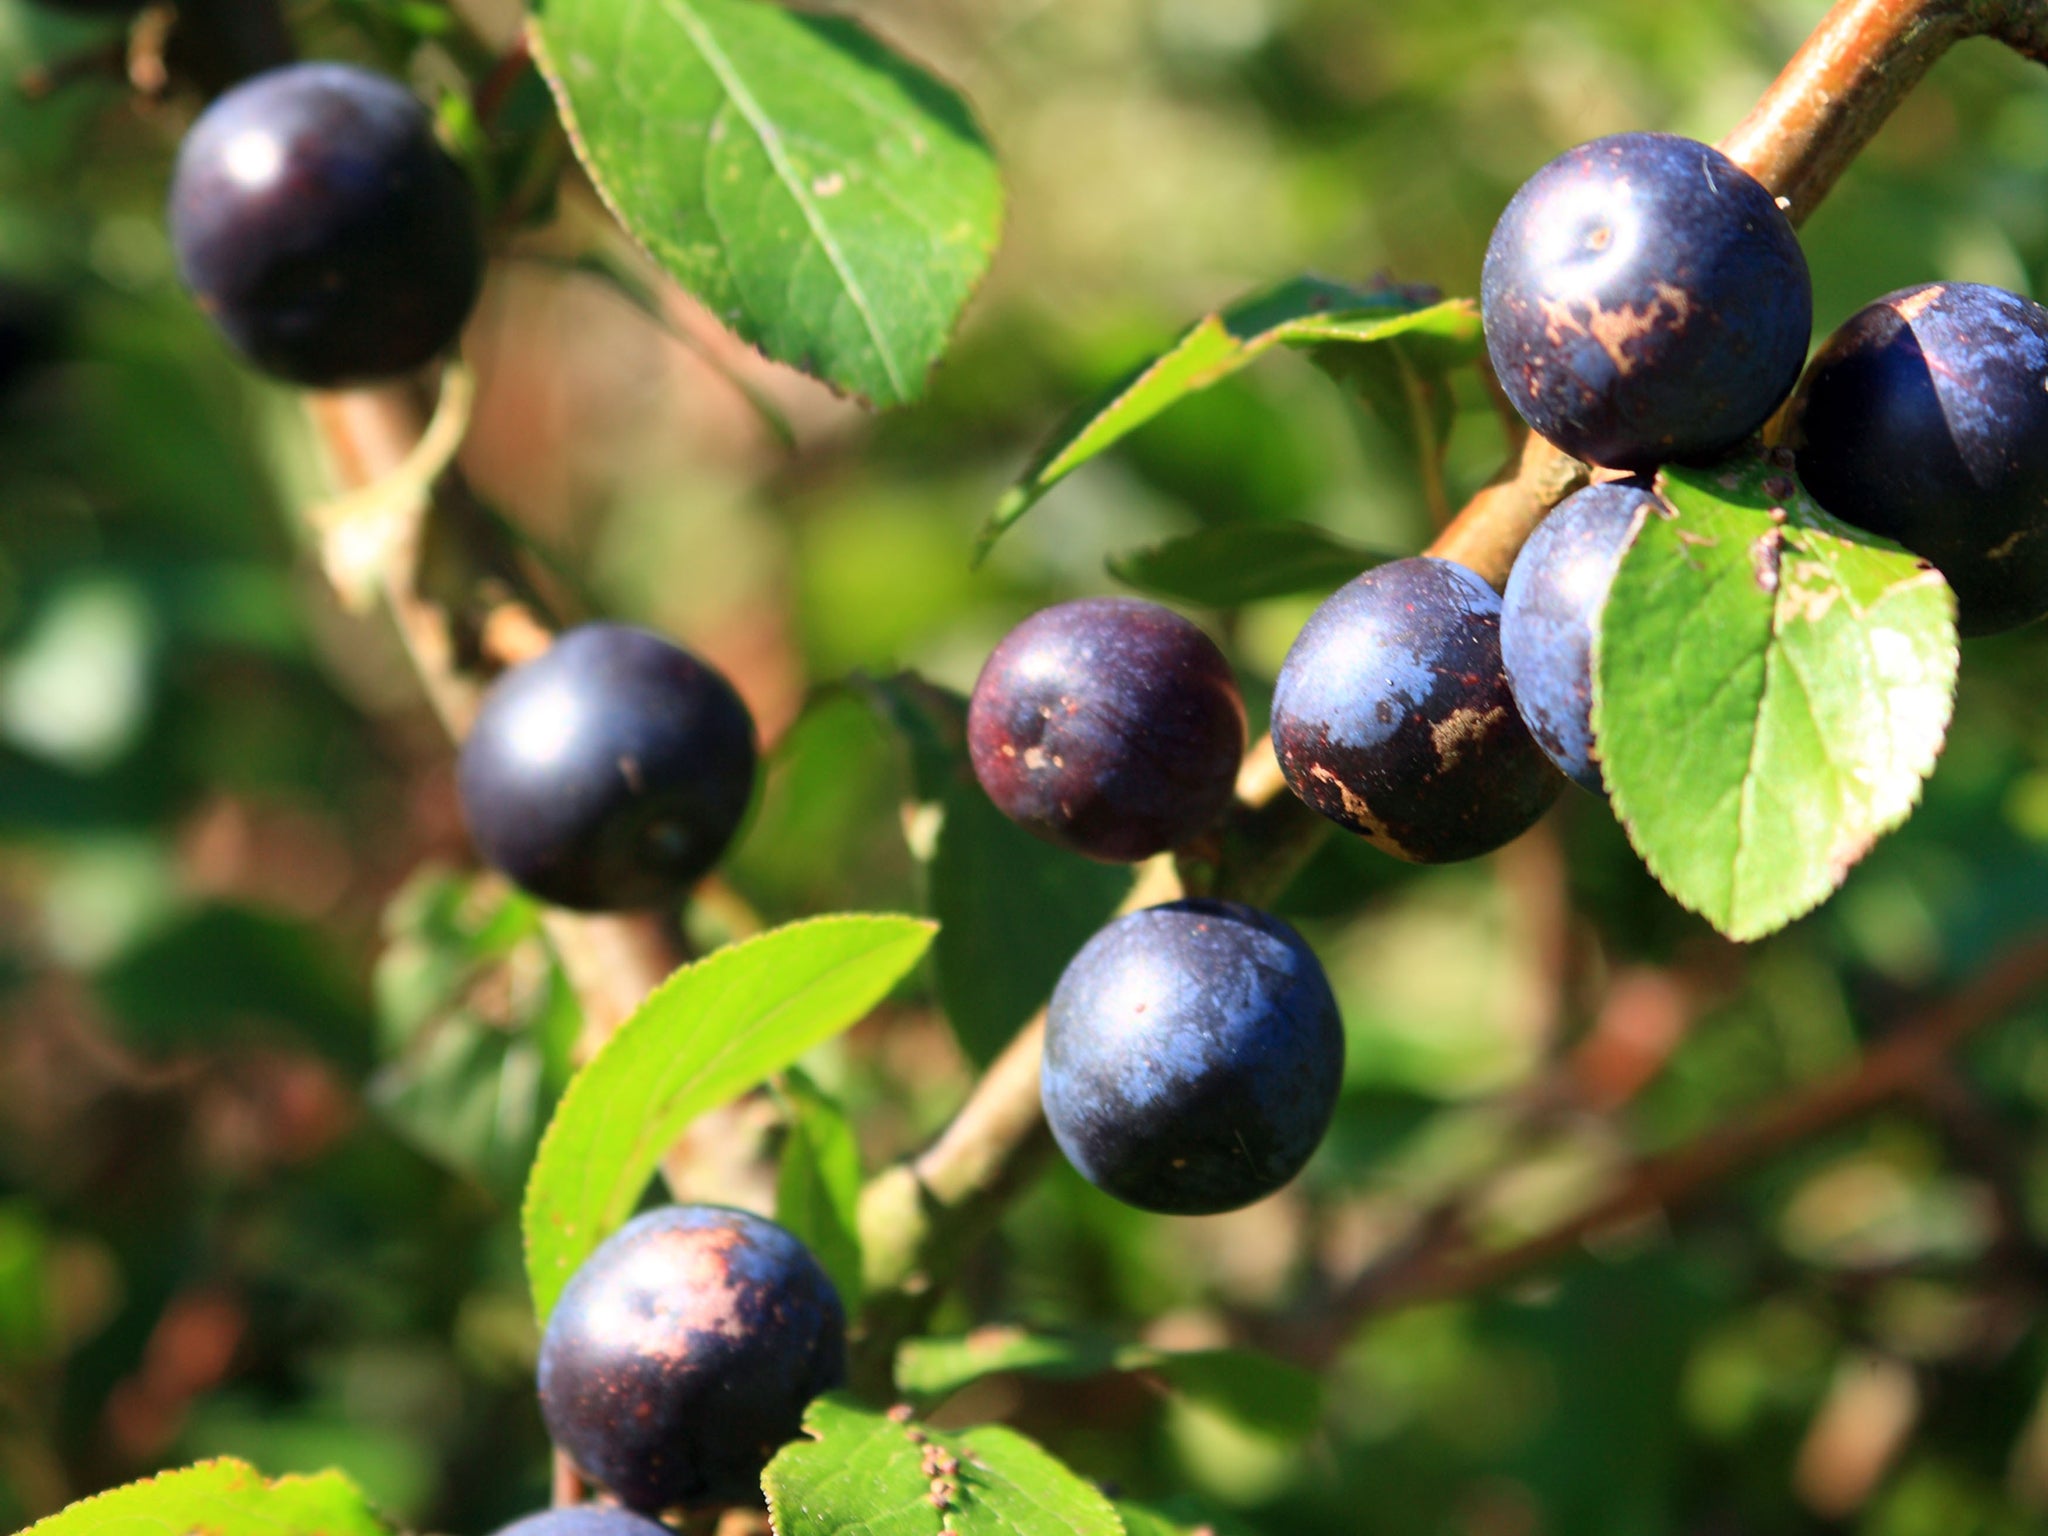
x=1924 y=420
x=608 y=773
x=1645 y=300
x=1109 y=726
x=682 y=1353
x=1392 y=716
x=1193 y=1057
x=323 y=228
x=1551 y=612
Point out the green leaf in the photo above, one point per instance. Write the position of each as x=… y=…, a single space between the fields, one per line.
x=885 y=1475
x=817 y=1187
x=1257 y=1392
x=477 y=1023
x=1012 y=909
x=833 y=204
x=221 y=1498
x=1305 y=311
x=1404 y=379
x=1770 y=689
x=708 y=1033
x=1243 y=563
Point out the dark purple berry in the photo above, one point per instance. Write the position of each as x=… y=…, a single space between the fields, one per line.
x=1193 y=1056
x=321 y=224
x=681 y=1355
x=1924 y=420
x=1645 y=300
x=1392 y=716
x=609 y=772
x=1551 y=612
x=585 y=1520
x=1109 y=726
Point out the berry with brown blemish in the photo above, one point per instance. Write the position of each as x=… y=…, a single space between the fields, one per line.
x=1924 y=419
x=1392 y=716
x=1109 y=726
x=1645 y=301
x=682 y=1353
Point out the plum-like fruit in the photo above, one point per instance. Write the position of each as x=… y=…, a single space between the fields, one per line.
x=585 y=1520
x=1551 y=610
x=322 y=226
x=1109 y=726
x=1645 y=300
x=1924 y=419
x=609 y=772
x=1392 y=716
x=1193 y=1055
x=681 y=1355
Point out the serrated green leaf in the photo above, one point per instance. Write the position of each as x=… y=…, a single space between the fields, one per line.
x=708 y=1033
x=817 y=1187
x=1770 y=689
x=1243 y=563
x=1304 y=311
x=886 y=1475
x=221 y=1498
x=1254 y=1391
x=830 y=202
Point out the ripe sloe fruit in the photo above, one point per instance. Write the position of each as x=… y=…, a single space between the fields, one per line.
x=1109 y=726
x=1193 y=1056
x=1925 y=420
x=1392 y=716
x=609 y=772
x=1550 y=613
x=1645 y=300
x=585 y=1520
x=681 y=1355
x=323 y=227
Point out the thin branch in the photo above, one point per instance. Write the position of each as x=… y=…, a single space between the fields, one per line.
x=1897 y=1067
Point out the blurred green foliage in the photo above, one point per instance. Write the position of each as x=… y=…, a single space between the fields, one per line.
x=270 y=1088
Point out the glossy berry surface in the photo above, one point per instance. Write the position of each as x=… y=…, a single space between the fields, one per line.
x=681 y=1355
x=1193 y=1055
x=1109 y=726
x=585 y=1520
x=319 y=222
x=1925 y=419
x=1645 y=300
x=609 y=772
x=1392 y=716
x=1551 y=611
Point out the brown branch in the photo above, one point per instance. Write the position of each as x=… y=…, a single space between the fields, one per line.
x=1897 y=1067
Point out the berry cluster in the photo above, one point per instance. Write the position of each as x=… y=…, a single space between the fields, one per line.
x=1646 y=303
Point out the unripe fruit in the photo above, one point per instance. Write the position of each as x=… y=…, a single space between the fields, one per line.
x=681 y=1355
x=610 y=772
x=1645 y=300
x=320 y=223
x=1392 y=716
x=1109 y=726
x=1924 y=419
x=1551 y=611
x=1193 y=1056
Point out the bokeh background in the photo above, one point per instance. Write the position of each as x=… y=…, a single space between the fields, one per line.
x=272 y=1057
